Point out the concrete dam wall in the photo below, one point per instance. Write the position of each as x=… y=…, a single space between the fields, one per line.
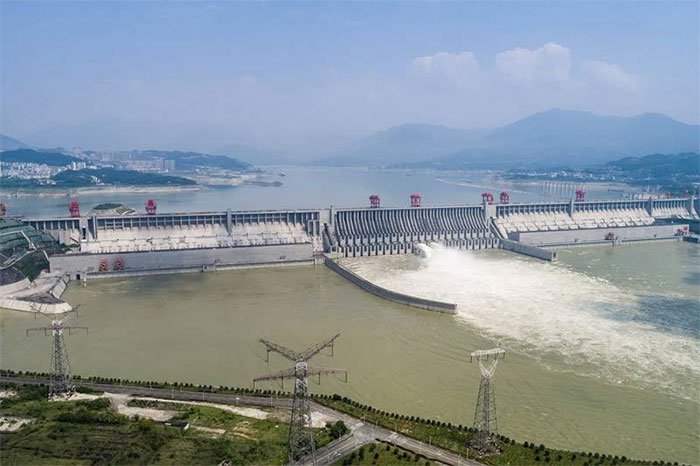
x=381 y=231
x=237 y=238
x=599 y=235
x=81 y=265
x=407 y=300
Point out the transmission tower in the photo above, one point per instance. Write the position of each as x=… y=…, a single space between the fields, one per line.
x=60 y=384
x=485 y=414
x=301 y=436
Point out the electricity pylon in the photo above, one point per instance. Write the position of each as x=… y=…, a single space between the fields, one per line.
x=485 y=414
x=301 y=436
x=60 y=384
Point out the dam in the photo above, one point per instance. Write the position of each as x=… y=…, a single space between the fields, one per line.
x=103 y=245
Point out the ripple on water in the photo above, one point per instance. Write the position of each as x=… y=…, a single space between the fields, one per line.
x=569 y=320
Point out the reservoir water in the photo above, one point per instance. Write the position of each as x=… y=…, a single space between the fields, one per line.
x=602 y=347
x=311 y=187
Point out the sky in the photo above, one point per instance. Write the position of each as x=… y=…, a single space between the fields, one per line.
x=304 y=78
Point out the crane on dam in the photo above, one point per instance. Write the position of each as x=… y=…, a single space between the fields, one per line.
x=301 y=436
x=485 y=413
x=60 y=382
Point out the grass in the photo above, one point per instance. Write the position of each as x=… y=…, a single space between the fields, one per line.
x=90 y=432
x=458 y=439
x=382 y=454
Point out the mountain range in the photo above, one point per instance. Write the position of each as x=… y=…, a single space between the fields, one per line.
x=405 y=144
x=8 y=143
x=551 y=138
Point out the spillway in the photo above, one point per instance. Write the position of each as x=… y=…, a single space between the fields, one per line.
x=103 y=244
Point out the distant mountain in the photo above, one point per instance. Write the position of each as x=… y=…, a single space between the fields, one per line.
x=405 y=144
x=34 y=156
x=8 y=143
x=658 y=165
x=573 y=138
x=194 y=160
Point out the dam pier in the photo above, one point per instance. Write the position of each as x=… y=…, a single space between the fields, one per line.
x=153 y=242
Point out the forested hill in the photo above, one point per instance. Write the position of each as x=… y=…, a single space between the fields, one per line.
x=111 y=176
x=193 y=160
x=34 y=156
x=660 y=164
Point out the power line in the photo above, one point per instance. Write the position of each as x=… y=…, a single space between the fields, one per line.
x=301 y=436
x=60 y=382
x=485 y=421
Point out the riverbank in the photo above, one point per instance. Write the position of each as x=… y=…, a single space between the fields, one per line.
x=438 y=440
x=57 y=193
x=43 y=295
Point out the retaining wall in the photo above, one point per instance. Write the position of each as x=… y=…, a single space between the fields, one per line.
x=596 y=235
x=80 y=265
x=400 y=298
x=529 y=250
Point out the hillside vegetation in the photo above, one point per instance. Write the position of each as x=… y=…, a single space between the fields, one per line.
x=54 y=159
x=185 y=161
x=112 y=176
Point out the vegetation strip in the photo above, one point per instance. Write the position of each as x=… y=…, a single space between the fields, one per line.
x=451 y=437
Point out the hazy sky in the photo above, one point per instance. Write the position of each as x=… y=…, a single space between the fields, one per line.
x=297 y=75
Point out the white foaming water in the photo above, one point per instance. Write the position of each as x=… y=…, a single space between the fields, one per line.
x=565 y=319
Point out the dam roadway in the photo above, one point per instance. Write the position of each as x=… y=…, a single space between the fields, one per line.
x=361 y=432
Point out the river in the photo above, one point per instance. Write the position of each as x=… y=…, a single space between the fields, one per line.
x=311 y=188
x=603 y=347
x=583 y=370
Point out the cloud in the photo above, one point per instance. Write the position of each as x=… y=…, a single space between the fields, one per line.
x=549 y=63
x=458 y=67
x=612 y=75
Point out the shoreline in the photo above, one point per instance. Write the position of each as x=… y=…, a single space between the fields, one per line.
x=104 y=190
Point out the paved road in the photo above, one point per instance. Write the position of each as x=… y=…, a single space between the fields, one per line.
x=361 y=433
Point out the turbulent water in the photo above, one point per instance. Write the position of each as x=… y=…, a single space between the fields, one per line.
x=569 y=320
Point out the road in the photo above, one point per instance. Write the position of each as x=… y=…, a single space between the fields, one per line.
x=361 y=433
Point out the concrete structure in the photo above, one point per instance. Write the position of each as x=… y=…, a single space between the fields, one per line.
x=529 y=250
x=382 y=231
x=170 y=231
x=174 y=242
x=81 y=265
x=599 y=235
x=42 y=295
x=407 y=300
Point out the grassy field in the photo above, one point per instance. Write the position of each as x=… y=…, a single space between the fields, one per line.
x=381 y=454
x=458 y=439
x=90 y=432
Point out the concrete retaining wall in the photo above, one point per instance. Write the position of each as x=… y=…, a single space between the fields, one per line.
x=80 y=265
x=12 y=288
x=583 y=236
x=529 y=250
x=400 y=298
x=30 y=306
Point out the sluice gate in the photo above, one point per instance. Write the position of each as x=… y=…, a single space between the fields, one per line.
x=382 y=231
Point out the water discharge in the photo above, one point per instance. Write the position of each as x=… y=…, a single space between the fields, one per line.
x=569 y=321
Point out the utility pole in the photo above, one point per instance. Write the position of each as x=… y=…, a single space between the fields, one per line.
x=485 y=413
x=60 y=384
x=301 y=436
